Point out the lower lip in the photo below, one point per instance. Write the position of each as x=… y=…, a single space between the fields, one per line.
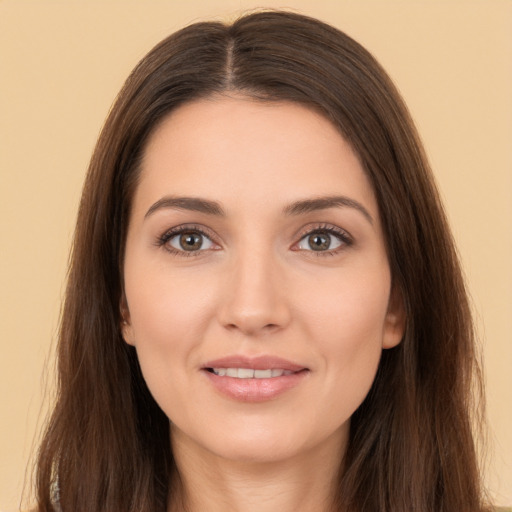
x=255 y=390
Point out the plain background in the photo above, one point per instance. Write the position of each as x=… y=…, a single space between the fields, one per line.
x=61 y=65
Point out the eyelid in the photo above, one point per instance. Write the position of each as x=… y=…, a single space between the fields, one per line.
x=331 y=229
x=162 y=240
x=344 y=236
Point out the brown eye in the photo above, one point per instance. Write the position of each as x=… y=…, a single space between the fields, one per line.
x=190 y=241
x=321 y=241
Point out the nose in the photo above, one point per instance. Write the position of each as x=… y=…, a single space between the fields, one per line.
x=255 y=300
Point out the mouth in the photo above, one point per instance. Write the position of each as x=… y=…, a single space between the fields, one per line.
x=254 y=379
x=250 y=373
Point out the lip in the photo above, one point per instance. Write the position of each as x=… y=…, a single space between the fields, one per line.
x=263 y=362
x=254 y=390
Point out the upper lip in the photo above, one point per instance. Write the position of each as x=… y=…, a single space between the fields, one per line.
x=264 y=362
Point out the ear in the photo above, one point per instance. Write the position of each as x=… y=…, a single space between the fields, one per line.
x=126 y=324
x=394 y=325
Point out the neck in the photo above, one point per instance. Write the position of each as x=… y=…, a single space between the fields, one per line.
x=205 y=481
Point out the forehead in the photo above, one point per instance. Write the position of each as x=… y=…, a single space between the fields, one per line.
x=243 y=151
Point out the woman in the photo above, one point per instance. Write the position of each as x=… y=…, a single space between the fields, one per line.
x=264 y=307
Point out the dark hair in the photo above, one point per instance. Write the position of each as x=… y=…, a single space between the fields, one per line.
x=411 y=446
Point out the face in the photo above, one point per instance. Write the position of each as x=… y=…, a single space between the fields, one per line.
x=257 y=286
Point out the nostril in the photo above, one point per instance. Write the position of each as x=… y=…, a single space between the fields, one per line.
x=252 y=328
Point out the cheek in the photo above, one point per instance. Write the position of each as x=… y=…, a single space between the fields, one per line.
x=346 y=324
x=169 y=314
x=350 y=307
x=166 y=308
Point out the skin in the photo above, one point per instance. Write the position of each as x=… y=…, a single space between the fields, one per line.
x=257 y=287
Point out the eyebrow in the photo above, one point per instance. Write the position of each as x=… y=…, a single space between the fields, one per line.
x=194 y=204
x=322 y=203
x=301 y=207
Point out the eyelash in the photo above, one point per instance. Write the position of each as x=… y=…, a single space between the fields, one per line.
x=340 y=234
x=328 y=229
x=178 y=230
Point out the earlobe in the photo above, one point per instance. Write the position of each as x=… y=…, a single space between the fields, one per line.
x=126 y=325
x=127 y=332
x=394 y=327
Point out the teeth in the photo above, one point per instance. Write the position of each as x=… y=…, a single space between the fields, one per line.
x=248 y=373
x=262 y=374
x=245 y=373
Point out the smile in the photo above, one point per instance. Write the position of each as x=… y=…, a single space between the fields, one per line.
x=249 y=373
x=254 y=379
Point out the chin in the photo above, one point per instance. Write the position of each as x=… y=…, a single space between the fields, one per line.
x=261 y=442
x=258 y=450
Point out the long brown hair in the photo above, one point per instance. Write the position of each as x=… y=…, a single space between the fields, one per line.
x=411 y=446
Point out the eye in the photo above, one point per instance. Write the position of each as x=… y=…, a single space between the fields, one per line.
x=325 y=240
x=186 y=241
x=319 y=242
x=190 y=241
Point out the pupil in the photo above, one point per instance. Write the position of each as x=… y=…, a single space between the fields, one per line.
x=190 y=241
x=319 y=242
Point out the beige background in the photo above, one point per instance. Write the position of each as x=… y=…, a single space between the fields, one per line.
x=61 y=64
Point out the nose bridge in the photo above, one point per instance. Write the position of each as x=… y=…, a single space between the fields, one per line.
x=255 y=301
